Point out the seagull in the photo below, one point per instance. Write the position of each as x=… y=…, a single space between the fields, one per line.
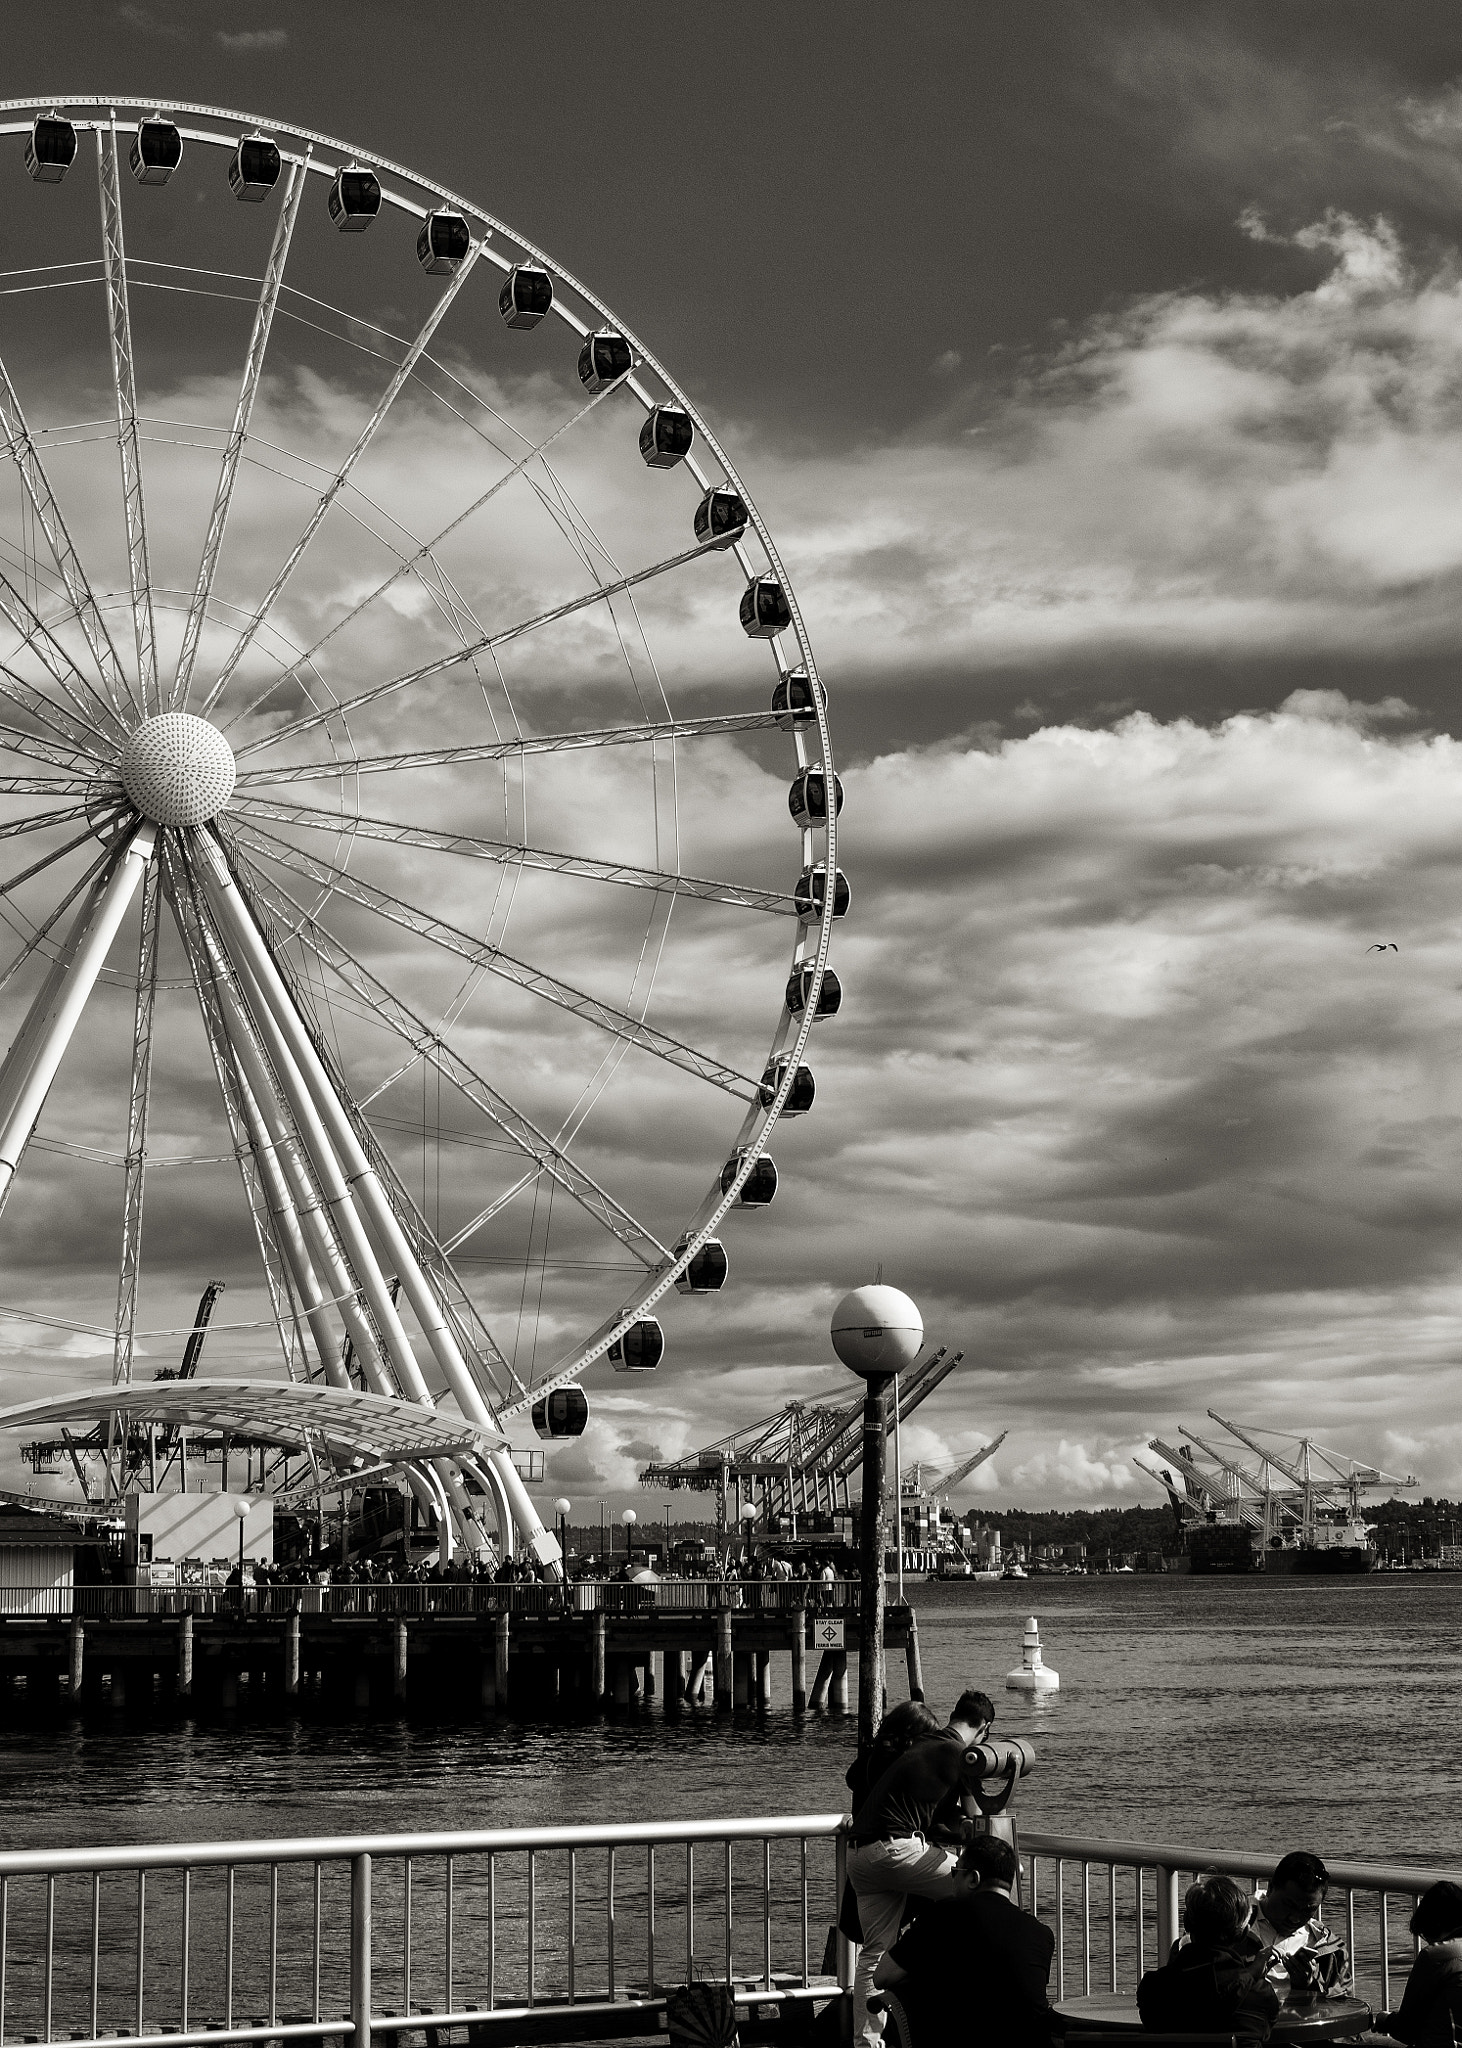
x=1389 y=945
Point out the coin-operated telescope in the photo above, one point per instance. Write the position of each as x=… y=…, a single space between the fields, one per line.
x=992 y=1769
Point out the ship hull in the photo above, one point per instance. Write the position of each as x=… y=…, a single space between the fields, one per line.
x=1336 y=1561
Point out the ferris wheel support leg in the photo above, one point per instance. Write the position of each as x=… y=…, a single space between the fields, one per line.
x=66 y=999
x=491 y=1483
x=336 y=1128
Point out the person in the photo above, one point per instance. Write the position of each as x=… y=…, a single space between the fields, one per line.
x=1430 y=2012
x=976 y=1966
x=1307 y=1959
x=895 y=1848
x=901 y=1727
x=1216 y=1979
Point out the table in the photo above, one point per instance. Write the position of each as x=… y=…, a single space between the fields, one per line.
x=1328 y=2019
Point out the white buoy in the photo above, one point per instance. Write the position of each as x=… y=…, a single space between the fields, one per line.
x=1032 y=1674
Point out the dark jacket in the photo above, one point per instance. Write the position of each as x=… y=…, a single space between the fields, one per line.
x=1204 y=1990
x=921 y=1794
x=978 y=1969
x=1430 y=2012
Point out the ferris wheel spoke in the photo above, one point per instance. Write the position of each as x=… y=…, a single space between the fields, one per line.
x=480 y=953
x=501 y=851
x=77 y=741
x=503 y=750
x=48 y=515
x=489 y=643
x=411 y=564
x=39 y=639
x=38 y=821
x=139 y=1098
x=341 y=477
x=243 y=411
x=43 y=931
x=124 y=379
x=49 y=860
x=31 y=746
x=416 y=1033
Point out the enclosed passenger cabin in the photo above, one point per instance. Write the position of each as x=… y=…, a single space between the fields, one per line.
x=253 y=169
x=811 y=893
x=605 y=357
x=562 y=1413
x=807 y=798
x=705 y=1273
x=641 y=1347
x=760 y=1185
x=764 y=609
x=829 y=996
x=51 y=150
x=442 y=245
x=355 y=199
x=801 y=1094
x=157 y=150
x=792 y=699
x=720 y=517
x=526 y=295
x=666 y=436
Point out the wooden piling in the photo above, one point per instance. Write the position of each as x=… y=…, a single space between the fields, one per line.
x=826 y=1666
x=398 y=1664
x=600 y=1660
x=764 y=1678
x=911 y=1658
x=185 y=1657
x=500 y=1661
x=724 y=1658
x=741 y=1678
x=78 y=1658
x=799 y=1660
x=292 y=1655
x=701 y=1668
x=652 y=1676
x=623 y=1681
x=838 y=1699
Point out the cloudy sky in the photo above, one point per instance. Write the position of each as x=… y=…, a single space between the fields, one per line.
x=1099 y=372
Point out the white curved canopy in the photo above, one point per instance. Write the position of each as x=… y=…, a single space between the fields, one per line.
x=341 y=1423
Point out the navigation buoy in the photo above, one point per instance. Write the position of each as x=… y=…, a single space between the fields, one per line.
x=1032 y=1675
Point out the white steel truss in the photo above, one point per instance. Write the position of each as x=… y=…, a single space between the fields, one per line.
x=124 y=377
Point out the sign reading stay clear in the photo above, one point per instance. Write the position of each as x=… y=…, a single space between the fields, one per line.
x=827 y=1635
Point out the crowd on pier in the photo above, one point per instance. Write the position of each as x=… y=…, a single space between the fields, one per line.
x=948 y=1956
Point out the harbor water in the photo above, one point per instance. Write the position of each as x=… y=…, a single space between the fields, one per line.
x=1244 y=1713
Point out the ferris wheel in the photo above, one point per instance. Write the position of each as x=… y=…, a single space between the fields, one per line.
x=392 y=659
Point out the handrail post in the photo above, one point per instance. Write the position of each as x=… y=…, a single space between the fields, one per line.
x=847 y=1953
x=360 y=1950
x=1169 y=1918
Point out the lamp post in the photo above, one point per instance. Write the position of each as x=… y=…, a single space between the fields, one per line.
x=628 y=1519
x=563 y=1509
x=877 y=1332
x=748 y=1523
x=241 y=1510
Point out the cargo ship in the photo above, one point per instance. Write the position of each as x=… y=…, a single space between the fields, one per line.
x=1294 y=1513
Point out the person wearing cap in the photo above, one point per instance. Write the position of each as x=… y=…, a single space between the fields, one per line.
x=1430 y=2012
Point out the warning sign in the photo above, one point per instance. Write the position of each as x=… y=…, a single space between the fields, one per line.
x=827 y=1635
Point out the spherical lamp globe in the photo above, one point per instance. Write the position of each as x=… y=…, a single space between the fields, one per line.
x=629 y=1518
x=561 y=1509
x=877 y=1330
x=241 y=1509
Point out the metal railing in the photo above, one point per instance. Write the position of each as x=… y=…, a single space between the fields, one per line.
x=1116 y=1907
x=390 y=1935
x=617 y=1599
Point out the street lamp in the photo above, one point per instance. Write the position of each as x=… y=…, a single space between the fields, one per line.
x=241 y=1510
x=877 y=1332
x=628 y=1518
x=562 y=1509
x=748 y=1523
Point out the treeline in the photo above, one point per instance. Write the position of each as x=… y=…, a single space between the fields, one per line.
x=1100 y=1529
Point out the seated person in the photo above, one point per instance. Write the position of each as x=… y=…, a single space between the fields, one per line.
x=1214 y=1981
x=1430 y=2012
x=1306 y=1958
x=974 y=1967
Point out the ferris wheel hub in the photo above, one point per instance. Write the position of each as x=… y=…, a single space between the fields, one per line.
x=177 y=769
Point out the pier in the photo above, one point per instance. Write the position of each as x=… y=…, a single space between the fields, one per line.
x=476 y=1646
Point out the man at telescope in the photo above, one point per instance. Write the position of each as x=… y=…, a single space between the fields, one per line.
x=899 y=1842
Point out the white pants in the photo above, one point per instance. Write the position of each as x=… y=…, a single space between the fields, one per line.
x=883 y=1875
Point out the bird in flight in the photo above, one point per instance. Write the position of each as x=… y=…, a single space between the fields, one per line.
x=1387 y=946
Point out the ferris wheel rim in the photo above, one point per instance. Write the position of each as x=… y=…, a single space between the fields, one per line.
x=790 y=1045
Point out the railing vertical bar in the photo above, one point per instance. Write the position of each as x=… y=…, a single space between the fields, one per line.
x=1036 y=1885
x=1060 y=1927
x=1085 y=1929
x=1385 y=1953
x=1350 y=1922
x=806 y=1959
x=766 y=1912
x=316 y=2010
x=96 y=1942
x=491 y=1932
x=532 y=1922
x=728 y=1912
x=650 y=1918
x=1112 y=1926
x=609 y=1918
x=228 y=1952
x=185 y=1966
x=406 y=1936
x=51 y=1948
x=689 y=1911
x=573 y=1923
x=451 y=1914
x=141 y=1945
